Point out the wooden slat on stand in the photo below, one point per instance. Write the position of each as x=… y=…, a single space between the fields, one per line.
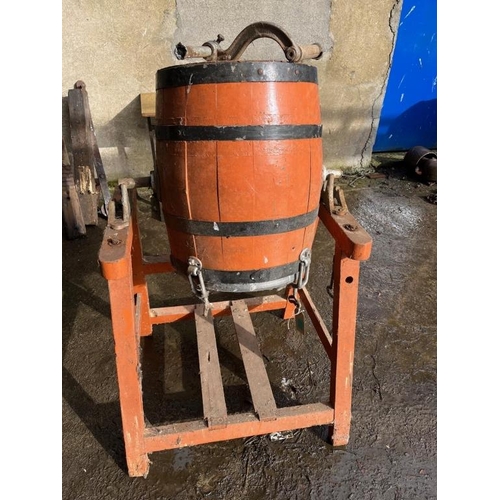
x=258 y=381
x=214 y=403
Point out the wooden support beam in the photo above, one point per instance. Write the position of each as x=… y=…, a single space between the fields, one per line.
x=161 y=315
x=258 y=381
x=124 y=318
x=345 y=304
x=212 y=390
x=317 y=321
x=241 y=425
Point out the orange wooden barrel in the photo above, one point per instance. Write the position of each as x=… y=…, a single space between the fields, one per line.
x=239 y=157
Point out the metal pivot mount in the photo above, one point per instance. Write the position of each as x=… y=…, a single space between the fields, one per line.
x=212 y=51
x=122 y=196
x=333 y=196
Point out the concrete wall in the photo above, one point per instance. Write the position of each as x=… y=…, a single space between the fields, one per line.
x=116 y=47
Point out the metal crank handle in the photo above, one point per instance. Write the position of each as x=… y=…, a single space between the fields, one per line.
x=212 y=51
x=293 y=54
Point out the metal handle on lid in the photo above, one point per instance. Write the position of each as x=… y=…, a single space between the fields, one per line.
x=211 y=50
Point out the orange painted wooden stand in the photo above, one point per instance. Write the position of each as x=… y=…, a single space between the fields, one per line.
x=125 y=267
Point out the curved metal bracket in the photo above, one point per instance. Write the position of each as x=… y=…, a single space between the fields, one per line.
x=211 y=51
x=333 y=196
x=114 y=222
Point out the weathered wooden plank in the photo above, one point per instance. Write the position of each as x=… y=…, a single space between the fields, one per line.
x=258 y=381
x=73 y=222
x=212 y=390
x=83 y=154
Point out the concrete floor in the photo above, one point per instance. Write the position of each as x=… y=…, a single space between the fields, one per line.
x=392 y=450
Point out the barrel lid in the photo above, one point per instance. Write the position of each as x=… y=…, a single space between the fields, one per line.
x=234 y=72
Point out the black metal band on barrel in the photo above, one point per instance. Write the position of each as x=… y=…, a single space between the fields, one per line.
x=238 y=133
x=213 y=276
x=236 y=229
x=234 y=72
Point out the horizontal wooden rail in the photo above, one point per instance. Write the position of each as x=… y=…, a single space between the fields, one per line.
x=240 y=425
x=160 y=315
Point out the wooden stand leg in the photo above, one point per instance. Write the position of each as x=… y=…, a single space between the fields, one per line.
x=345 y=300
x=125 y=318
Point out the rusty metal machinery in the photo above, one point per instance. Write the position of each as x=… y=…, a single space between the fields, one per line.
x=239 y=159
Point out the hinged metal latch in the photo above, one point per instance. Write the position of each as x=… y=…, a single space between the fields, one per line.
x=304 y=268
x=197 y=282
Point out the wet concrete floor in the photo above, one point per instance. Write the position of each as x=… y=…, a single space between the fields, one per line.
x=392 y=449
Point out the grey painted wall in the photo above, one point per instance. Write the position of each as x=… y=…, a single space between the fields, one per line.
x=116 y=47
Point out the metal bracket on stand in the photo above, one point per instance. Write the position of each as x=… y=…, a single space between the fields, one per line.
x=333 y=196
